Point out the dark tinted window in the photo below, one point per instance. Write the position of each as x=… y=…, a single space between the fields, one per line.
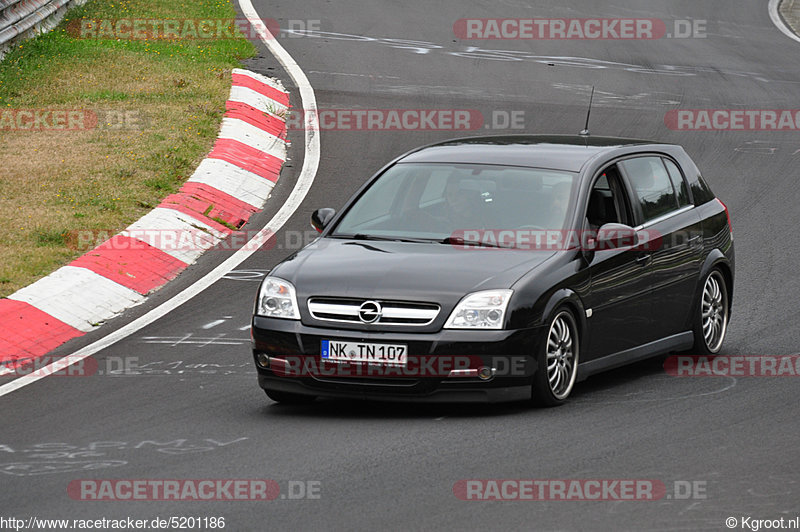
x=607 y=201
x=652 y=186
x=677 y=182
x=700 y=191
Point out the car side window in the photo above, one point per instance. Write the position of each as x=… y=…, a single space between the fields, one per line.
x=678 y=182
x=652 y=186
x=607 y=201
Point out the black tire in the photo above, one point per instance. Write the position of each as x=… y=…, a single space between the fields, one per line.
x=289 y=398
x=557 y=360
x=712 y=314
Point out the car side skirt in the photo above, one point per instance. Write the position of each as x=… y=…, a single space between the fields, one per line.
x=676 y=342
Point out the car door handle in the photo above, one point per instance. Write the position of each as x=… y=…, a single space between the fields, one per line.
x=643 y=259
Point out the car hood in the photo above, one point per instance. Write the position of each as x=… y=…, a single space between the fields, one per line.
x=403 y=270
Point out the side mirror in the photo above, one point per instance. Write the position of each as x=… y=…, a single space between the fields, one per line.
x=613 y=236
x=322 y=217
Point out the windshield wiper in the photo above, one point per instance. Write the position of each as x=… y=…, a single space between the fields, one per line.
x=461 y=241
x=364 y=236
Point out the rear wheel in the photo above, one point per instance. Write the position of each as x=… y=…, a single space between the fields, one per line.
x=557 y=360
x=711 y=319
x=289 y=398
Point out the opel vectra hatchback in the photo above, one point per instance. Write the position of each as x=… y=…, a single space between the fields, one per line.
x=498 y=269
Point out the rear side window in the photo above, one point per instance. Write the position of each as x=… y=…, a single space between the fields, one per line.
x=652 y=186
x=677 y=182
x=700 y=190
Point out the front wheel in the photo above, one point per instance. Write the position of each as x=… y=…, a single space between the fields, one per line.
x=289 y=398
x=711 y=318
x=557 y=360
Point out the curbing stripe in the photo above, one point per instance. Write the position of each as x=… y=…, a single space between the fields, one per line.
x=209 y=205
x=247 y=158
x=196 y=219
x=264 y=121
x=250 y=187
x=131 y=263
x=34 y=332
x=232 y=183
x=261 y=84
x=215 y=204
x=259 y=101
x=173 y=232
x=78 y=297
x=241 y=131
x=299 y=191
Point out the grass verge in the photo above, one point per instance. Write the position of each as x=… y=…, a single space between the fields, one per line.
x=157 y=103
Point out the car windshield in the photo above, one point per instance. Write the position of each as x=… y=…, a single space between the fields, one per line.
x=442 y=202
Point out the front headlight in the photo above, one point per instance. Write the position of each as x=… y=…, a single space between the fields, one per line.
x=480 y=310
x=277 y=299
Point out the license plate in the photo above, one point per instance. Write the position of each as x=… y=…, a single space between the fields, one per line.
x=382 y=354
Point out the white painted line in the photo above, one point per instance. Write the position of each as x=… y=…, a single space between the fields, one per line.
x=197 y=340
x=79 y=297
x=298 y=194
x=213 y=340
x=233 y=128
x=228 y=178
x=257 y=100
x=778 y=20
x=213 y=324
x=175 y=233
x=180 y=340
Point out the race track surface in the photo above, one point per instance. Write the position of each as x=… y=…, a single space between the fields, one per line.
x=193 y=408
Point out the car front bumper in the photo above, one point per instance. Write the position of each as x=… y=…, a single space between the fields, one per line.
x=505 y=359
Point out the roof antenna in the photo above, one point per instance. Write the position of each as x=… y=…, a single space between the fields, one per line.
x=585 y=132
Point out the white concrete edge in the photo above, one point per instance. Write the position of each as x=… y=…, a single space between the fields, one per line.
x=293 y=202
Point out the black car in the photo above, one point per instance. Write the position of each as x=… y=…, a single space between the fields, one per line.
x=497 y=269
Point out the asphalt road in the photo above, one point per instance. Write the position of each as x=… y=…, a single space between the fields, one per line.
x=192 y=408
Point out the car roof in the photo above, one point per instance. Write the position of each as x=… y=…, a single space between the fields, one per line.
x=560 y=152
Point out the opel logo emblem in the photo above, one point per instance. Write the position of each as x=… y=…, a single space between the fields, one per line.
x=370 y=311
